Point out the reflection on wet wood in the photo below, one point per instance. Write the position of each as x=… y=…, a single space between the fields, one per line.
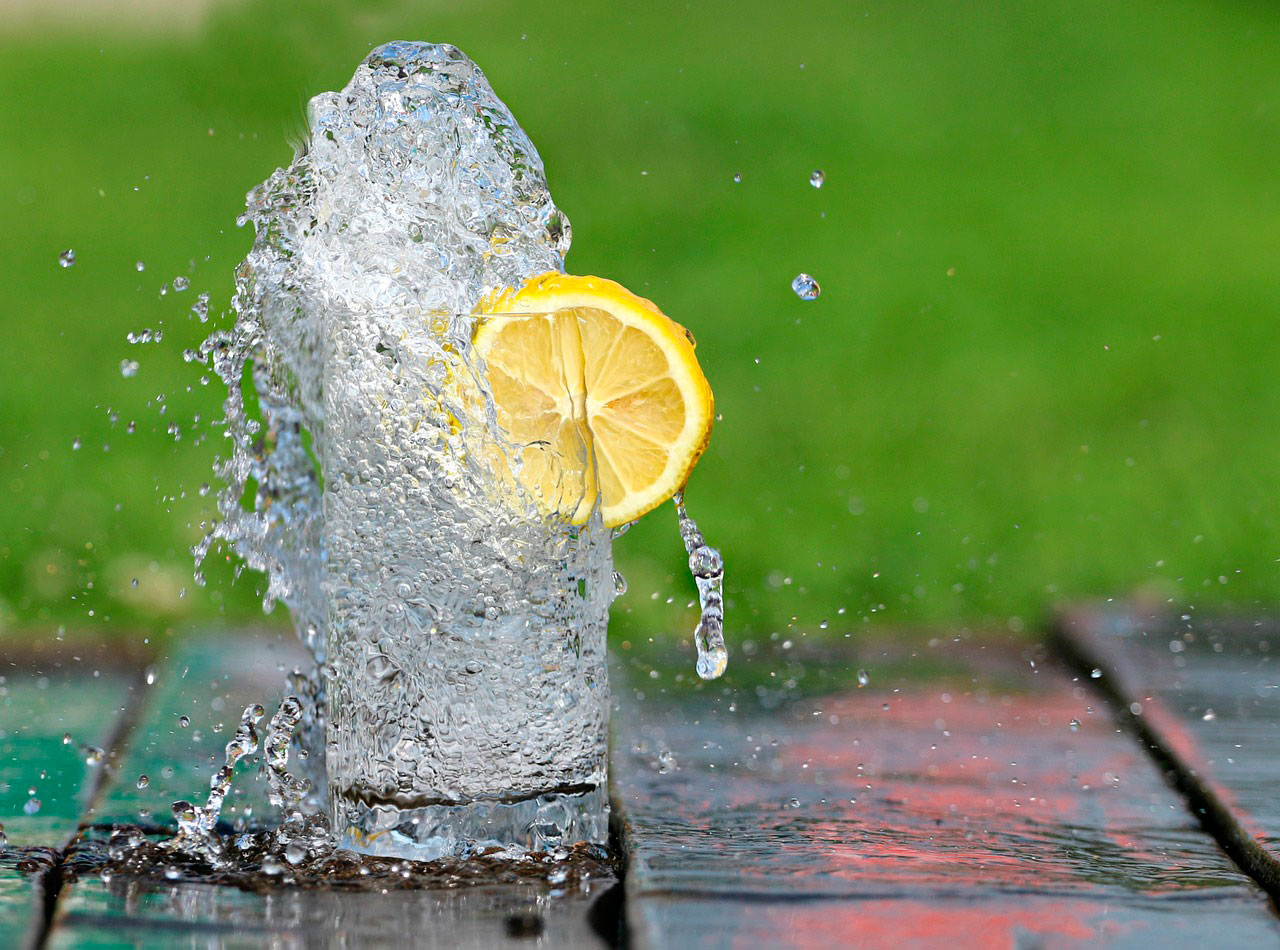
x=47 y=782
x=993 y=801
x=193 y=703
x=1204 y=696
x=137 y=914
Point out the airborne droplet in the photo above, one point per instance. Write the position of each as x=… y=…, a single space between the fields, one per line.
x=818 y=178
x=67 y=258
x=805 y=287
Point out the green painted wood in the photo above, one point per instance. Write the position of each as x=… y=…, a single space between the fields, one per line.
x=198 y=915
x=210 y=682
x=41 y=700
x=194 y=702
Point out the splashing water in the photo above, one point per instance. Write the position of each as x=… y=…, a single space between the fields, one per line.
x=347 y=482
x=708 y=574
x=196 y=824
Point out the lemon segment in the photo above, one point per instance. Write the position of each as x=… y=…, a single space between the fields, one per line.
x=601 y=389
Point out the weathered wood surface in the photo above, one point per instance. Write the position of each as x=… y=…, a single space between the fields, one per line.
x=961 y=809
x=209 y=683
x=1204 y=696
x=133 y=914
x=950 y=802
x=46 y=782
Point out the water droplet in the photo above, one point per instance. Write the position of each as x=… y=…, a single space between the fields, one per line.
x=172 y=873
x=67 y=258
x=31 y=807
x=619 y=584
x=143 y=781
x=794 y=803
x=1096 y=674
x=128 y=368
x=93 y=755
x=75 y=444
x=863 y=678
x=181 y=283
x=818 y=178
x=139 y=266
x=184 y=721
x=66 y=738
x=805 y=287
x=295 y=853
x=4 y=838
x=1075 y=725
x=737 y=179
x=270 y=866
x=1209 y=715
x=558 y=876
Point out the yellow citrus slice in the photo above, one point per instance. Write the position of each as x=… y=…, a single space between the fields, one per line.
x=604 y=386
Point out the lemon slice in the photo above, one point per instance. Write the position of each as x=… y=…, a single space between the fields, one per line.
x=602 y=388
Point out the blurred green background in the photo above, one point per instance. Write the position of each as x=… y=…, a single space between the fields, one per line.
x=1043 y=365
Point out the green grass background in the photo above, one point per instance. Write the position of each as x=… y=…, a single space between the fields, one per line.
x=1043 y=365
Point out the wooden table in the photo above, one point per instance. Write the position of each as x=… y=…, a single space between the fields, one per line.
x=971 y=794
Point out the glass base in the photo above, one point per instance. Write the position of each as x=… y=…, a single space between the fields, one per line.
x=549 y=821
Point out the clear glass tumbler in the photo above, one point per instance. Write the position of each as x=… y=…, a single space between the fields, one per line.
x=468 y=697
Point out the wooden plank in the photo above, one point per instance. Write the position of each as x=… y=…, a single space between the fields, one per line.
x=1204 y=696
x=210 y=682
x=197 y=695
x=137 y=914
x=990 y=803
x=46 y=783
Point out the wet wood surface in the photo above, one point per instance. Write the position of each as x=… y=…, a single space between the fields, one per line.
x=983 y=798
x=1204 y=696
x=969 y=795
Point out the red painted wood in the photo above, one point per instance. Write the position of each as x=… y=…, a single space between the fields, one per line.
x=968 y=812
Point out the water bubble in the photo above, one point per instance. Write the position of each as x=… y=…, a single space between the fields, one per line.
x=67 y=258
x=128 y=368
x=295 y=853
x=32 y=806
x=818 y=178
x=143 y=781
x=558 y=876
x=805 y=287
x=863 y=678
x=270 y=866
x=181 y=283
x=172 y=873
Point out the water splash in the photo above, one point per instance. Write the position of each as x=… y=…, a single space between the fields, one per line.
x=286 y=791
x=195 y=823
x=707 y=567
